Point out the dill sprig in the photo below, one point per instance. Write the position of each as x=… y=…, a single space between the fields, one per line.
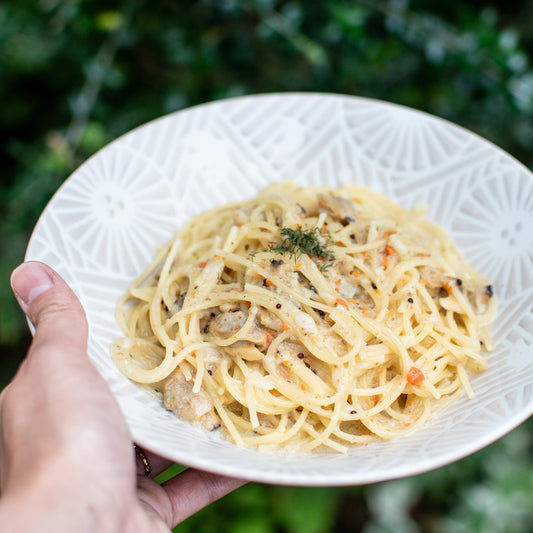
x=299 y=241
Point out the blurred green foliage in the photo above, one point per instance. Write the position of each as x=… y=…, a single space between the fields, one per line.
x=75 y=74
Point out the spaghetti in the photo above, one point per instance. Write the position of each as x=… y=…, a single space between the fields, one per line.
x=306 y=318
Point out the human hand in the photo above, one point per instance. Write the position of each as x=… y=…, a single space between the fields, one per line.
x=67 y=462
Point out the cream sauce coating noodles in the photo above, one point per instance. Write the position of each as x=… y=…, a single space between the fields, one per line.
x=307 y=318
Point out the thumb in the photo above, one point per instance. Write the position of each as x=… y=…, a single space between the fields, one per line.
x=51 y=306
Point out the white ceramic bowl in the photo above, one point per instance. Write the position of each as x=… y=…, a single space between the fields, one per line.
x=101 y=228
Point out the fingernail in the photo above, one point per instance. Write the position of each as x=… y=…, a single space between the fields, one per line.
x=30 y=280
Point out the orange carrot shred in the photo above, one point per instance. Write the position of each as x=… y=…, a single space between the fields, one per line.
x=415 y=376
x=342 y=302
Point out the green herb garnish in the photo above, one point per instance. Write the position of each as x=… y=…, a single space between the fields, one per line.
x=310 y=242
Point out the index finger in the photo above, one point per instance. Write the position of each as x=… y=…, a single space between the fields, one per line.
x=184 y=495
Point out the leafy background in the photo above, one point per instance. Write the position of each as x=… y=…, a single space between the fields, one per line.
x=75 y=74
